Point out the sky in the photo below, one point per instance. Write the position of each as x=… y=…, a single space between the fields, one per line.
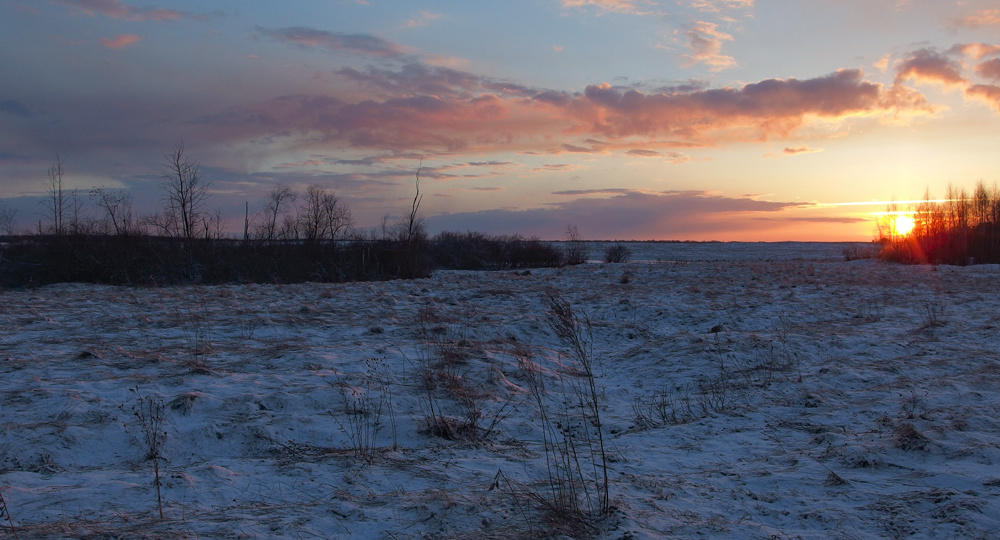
x=734 y=120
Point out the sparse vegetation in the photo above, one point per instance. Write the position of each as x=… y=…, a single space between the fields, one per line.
x=577 y=486
x=364 y=405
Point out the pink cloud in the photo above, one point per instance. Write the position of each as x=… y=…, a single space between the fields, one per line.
x=601 y=119
x=926 y=65
x=754 y=112
x=119 y=42
x=792 y=151
x=990 y=69
x=117 y=10
x=705 y=43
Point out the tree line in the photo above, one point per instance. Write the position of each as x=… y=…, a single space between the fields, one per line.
x=317 y=214
x=294 y=237
x=962 y=228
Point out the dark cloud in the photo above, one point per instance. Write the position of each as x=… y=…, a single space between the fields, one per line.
x=605 y=191
x=362 y=44
x=15 y=108
x=990 y=69
x=927 y=65
x=639 y=152
x=626 y=214
x=418 y=78
x=791 y=151
x=819 y=219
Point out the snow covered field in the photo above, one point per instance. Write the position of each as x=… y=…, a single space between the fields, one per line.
x=783 y=395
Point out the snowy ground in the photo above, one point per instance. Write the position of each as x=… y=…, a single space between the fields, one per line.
x=788 y=396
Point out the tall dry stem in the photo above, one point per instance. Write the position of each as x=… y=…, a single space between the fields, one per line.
x=148 y=412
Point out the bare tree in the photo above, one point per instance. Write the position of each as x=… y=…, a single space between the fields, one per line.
x=414 y=224
x=79 y=223
x=7 y=216
x=117 y=206
x=575 y=251
x=214 y=225
x=278 y=199
x=322 y=216
x=55 y=204
x=185 y=193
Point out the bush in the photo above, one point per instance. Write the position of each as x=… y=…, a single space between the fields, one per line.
x=617 y=253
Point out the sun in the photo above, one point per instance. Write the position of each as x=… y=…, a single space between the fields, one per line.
x=903 y=224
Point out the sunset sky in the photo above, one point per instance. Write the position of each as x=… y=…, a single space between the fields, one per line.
x=630 y=119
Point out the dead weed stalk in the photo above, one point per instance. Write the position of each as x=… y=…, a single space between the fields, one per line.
x=6 y=514
x=365 y=405
x=148 y=413
x=577 y=485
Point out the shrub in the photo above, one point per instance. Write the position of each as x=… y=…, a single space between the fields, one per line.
x=617 y=253
x=478 y=251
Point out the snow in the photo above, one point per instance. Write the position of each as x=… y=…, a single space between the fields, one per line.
x=802 y=397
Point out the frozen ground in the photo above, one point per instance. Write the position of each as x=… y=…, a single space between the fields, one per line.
x=779 y=397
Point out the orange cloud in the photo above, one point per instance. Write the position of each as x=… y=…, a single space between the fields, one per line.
x=119 y=42
x=117 y=10
x=984 y=17
x=990 y=93
x=926 y=65
x=977 y=51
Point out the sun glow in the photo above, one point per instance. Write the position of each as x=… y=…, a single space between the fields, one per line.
x=903 y=224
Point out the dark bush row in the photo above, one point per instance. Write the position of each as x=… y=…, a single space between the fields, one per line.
x=154 y=260
x=478 y=251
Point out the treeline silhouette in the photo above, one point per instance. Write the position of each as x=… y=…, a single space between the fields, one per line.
x=294 y=237
x=35 y=260
x=960 y=229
